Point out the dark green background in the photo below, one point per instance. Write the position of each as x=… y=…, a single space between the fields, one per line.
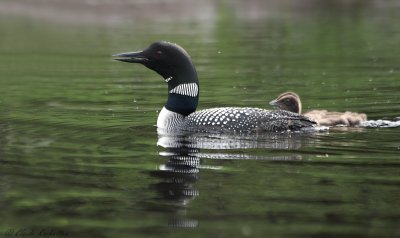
x=78 y=146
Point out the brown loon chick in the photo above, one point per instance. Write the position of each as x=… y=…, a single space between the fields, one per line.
x=290 y=101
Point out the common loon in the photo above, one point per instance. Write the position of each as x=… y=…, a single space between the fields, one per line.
x=290 y=101
x=174 y=64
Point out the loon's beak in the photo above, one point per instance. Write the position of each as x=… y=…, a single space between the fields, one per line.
x=131 y=57
x=273 y=103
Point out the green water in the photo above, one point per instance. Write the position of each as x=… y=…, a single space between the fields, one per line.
x=78 y=145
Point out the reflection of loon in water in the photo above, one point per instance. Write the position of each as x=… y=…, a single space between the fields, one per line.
x=179 y=176
x=180 y=173
x=284 y=141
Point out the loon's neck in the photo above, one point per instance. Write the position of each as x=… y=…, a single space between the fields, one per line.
x=183 y=90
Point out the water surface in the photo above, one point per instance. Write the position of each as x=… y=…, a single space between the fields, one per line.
x=80 y=155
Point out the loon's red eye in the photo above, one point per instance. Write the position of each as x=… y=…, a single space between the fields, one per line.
x=158 y=54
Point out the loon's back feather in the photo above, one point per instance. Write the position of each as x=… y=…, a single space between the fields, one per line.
x=245 y=120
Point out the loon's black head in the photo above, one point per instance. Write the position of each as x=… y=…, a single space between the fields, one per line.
x=167 y=59
x=288 y=101
x=173 y=63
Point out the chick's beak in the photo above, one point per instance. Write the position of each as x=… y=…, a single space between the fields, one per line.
x=273 y=103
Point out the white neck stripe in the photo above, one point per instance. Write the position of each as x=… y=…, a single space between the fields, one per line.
x=168 y=79
x=186 y=89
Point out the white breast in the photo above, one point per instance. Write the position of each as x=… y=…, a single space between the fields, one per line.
x=168 y=120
